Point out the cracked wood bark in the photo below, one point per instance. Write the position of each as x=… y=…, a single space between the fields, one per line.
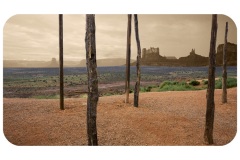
x=61 y=61
x=224 y=75
x=208 y=134
x=128 y=57
x=137 y=85
x=92 y=100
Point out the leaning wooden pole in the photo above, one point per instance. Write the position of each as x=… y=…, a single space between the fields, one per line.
x=92 y=100
x=61 y=61
x=137 y=85
x=208 y=135
x=128 y=57
x=224 y=75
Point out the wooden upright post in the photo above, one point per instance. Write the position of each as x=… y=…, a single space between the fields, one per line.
x=208 y=134
x=61 y=61
x=224 y=75
x=128 y=57
x=137 y=85
x=92 y=100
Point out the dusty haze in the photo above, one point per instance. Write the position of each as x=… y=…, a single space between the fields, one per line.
x=35 y=37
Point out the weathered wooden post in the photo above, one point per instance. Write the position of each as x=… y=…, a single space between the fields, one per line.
x=137 y=85
x=224 y=75
x=61 y=61
x=92 y=100
x=208 y=134
x=128 y=57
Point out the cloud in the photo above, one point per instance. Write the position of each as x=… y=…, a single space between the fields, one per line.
x=24 y=39
x=35 y=37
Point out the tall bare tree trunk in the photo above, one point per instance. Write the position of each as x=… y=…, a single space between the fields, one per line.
x=61 y=61
x=208 y=135
x=224 y=75
x=137 y=85
x=90 y=45
x=128 y=57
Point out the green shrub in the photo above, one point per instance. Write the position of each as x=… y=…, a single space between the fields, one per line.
x=205 y=82
x=131 y=91
x=194 y=83
x=218 y=83
x=145 y=89
x=175 y=86
x=167 y=83
x=231 y=82
x=148 y=88
x=142 y=89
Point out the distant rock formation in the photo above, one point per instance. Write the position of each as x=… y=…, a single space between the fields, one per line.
x=231 y=54
x=152 y=57
x=30 y=64
x=53 y=63
x=171 y=57
x=23 y=64
x=193 y=59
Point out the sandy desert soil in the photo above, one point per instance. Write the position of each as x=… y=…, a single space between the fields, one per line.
x=163 y=118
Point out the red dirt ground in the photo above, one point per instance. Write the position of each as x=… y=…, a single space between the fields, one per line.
x=163 y=118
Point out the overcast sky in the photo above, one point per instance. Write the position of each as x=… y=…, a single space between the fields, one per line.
x=35 y=37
